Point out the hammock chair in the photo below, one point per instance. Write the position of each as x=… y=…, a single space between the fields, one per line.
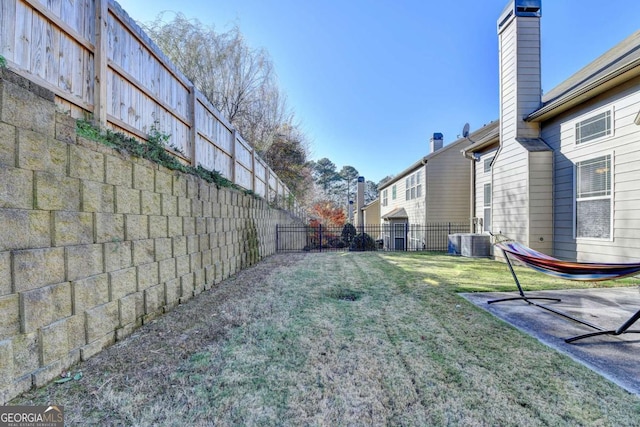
x=570 y=271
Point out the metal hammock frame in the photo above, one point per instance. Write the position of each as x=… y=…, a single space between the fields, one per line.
x=570 y=271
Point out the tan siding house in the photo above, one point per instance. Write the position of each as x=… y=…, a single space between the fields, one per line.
x=371 y=213
x=434 y=189
x=565 y=174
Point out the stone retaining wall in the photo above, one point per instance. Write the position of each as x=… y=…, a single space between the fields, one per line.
x=94 y=242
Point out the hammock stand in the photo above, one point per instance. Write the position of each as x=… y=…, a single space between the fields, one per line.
x=566 y=270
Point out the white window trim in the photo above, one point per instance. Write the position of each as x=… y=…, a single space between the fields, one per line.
x=610 y=197
x=587 y=117
x=484 y=164
x=417 y=184
x=486 y=207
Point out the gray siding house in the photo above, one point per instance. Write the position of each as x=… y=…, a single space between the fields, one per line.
x=562 y=172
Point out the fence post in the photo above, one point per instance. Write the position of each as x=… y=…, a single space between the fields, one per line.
x=266 y=181
x=253 y=169
x=233 y=157
x=320 y=233
x=406 y=236
x=100 y=63
x=193 y=134
x=277 y=236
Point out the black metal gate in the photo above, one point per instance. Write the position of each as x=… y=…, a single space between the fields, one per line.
x=386 y=237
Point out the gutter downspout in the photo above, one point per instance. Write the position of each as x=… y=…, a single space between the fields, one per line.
x=426 y=190
x=472 y=192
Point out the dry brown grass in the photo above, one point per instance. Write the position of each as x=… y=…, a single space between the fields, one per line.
x=340 y=339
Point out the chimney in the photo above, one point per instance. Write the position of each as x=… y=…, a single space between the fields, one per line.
x=436 y=142
x=519 y=56
x=522 y=188
x=360 y=201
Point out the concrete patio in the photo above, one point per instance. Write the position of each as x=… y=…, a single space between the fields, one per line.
x=616 y=358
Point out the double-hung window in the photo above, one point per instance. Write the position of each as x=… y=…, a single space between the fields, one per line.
x=487 y=164
x=385 y=199
x=413 y=186
x=487 y=208
x=593 y=198
x=595 y=127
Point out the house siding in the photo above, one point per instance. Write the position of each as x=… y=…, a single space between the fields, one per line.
x=415 y=208
x=482 y=178
x=540 y=209
x=371 y=213
x=510 y=193
x=508 y=80
x=519 y=54
x=448 y=193
x=624 y=148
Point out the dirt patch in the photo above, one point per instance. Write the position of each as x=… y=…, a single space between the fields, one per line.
x=345 y=294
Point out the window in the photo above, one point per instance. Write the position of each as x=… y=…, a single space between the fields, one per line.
x=594 y=127
x=593 y=198
x=385 y=200
x=393 y=192
x=413 y=186
x=487 y=208
x=487 y=164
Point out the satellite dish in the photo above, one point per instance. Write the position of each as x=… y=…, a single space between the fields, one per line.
x=465 y=130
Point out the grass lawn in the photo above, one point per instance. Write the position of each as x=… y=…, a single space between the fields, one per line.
x=342 y=339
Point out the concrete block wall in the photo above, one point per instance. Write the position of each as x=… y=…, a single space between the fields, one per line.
x=94 y=242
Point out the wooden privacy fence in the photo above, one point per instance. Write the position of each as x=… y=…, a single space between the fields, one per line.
x=97 y=60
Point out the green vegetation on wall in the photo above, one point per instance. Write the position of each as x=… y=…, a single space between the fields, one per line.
x=153 y=149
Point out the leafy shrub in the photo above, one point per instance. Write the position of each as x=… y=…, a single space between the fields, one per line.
x=334 y=242
x=348 y=234
x=363 y=242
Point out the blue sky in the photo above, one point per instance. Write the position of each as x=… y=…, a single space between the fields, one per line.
x=371 y=80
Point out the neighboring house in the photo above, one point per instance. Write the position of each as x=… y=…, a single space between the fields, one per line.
x=435 y=189
x=371 y=213
x=562 y=174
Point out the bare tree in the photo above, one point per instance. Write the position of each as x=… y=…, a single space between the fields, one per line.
x=240 y=82
x=287 y=156
x=370 y=191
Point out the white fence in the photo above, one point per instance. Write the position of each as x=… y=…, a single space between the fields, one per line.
x=97 y=60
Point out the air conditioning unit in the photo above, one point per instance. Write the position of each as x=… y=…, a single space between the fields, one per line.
x=453 y=247
x=475 y=245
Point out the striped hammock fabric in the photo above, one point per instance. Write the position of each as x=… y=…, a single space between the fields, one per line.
x=593 y=272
